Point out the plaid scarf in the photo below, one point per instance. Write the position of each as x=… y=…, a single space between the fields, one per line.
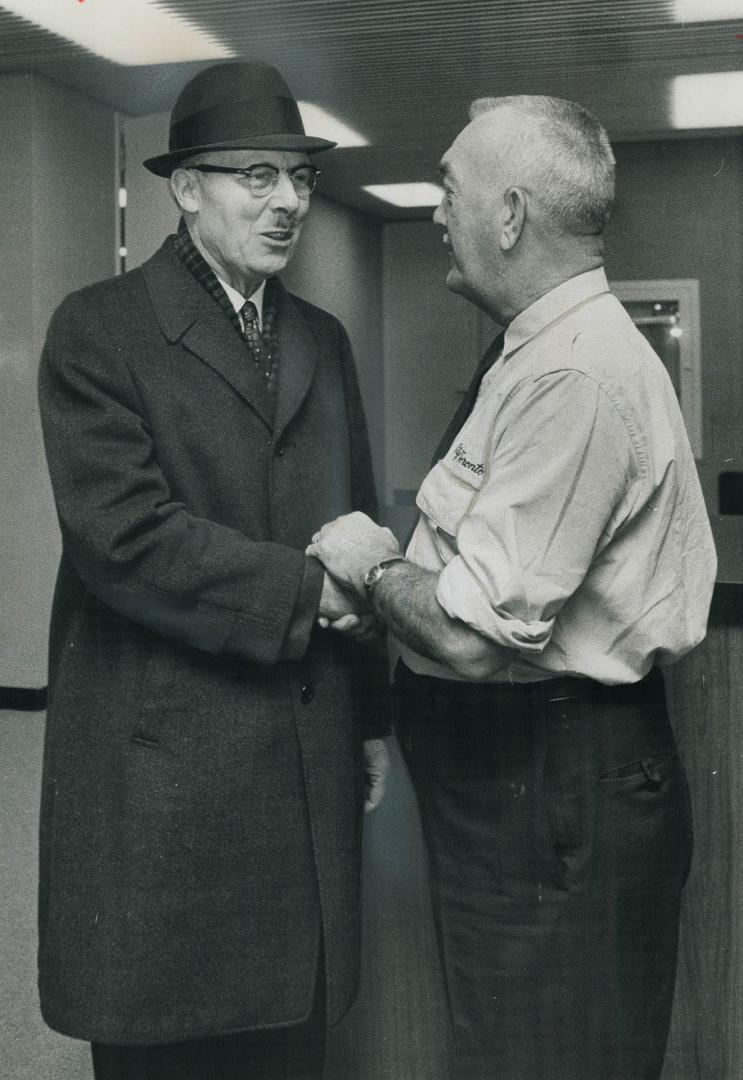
x=195 y=262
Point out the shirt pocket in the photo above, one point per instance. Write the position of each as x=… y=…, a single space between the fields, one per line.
x=445 y=497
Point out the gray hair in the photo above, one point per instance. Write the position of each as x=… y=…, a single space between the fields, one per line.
x=202 y=158
x=566 y=153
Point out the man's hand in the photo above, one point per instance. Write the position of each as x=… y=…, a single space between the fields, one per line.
x=350 y=545
x=344 y=613
x=338 y=608
x=376 y=766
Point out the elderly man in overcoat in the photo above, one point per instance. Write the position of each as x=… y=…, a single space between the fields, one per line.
x=204 y=770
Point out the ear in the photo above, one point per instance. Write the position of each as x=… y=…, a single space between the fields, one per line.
x=514 y=217
x=186 y=189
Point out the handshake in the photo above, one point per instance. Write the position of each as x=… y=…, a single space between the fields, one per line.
x=347 y=547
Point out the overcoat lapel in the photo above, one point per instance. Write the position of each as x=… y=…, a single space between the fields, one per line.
x=187 y=313
x=214 y=340
x=298 y=358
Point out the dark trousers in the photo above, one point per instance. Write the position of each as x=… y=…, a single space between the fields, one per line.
x=558 y=828
x=290 y=1053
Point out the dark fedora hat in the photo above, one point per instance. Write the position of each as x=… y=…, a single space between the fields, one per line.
x=241 y=106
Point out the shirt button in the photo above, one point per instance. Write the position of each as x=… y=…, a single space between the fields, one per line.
x=280 y=451
x=307 y=693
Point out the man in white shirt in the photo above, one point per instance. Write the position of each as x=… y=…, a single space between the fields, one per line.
x=562 y=552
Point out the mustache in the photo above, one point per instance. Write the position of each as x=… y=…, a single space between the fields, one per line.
x=284 y=221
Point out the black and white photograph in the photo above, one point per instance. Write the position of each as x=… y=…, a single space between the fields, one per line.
x=371 y=539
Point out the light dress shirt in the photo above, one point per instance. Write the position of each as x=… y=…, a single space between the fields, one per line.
x=237 y=300
x=567 y=520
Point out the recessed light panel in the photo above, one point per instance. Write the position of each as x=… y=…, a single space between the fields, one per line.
x=710 y=100
x=707 y=10
x=323 y=125
x=131 y=32
x=407 y=195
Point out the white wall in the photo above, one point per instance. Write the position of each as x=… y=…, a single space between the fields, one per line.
x=57 y=233
x=57 y=228
x=150 y=213
x=433 y=340
x=338 y=266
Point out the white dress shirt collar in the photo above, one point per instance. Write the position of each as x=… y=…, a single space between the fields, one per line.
x=237 y=300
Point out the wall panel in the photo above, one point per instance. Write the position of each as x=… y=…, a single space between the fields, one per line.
x=679 y=214
x=57 y=230
x=706 y=699
x=57 y=233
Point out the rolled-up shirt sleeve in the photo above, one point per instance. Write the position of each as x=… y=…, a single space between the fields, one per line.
x=557 y=485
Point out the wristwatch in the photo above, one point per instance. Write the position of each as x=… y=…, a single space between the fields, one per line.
x=375 y=572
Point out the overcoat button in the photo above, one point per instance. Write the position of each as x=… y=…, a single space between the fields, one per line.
x=307 y=693
x=280 y=451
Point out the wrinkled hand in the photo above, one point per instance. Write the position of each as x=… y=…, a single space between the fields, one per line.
x=338 y=608
x=351 y=544
x=342 y=611
x=376 y=767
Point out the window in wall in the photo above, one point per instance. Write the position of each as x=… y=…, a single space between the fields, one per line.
x=667 y=314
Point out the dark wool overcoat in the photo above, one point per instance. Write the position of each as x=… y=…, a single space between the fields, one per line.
x=203 y=777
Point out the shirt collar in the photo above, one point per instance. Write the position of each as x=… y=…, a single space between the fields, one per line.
x=237 y=300
x=229 y=299
x=550 y=307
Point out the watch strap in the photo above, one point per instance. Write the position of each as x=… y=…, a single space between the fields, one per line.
x=375 y=573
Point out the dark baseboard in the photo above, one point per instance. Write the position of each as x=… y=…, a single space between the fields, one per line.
x=21 y=699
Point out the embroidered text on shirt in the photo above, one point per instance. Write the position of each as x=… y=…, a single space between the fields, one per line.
x=461 y=458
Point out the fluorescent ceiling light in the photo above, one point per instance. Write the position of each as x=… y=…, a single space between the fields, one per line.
x=713 y=100
x=707 y=10
x=321 y=124
x=407 y=194
x=130 y=32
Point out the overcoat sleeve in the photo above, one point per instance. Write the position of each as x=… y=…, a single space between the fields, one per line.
x=131 y=543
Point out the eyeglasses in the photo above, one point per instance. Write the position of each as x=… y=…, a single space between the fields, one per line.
x=262 y=179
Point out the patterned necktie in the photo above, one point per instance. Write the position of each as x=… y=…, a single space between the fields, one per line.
x=467 y=403
x=259 y=345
